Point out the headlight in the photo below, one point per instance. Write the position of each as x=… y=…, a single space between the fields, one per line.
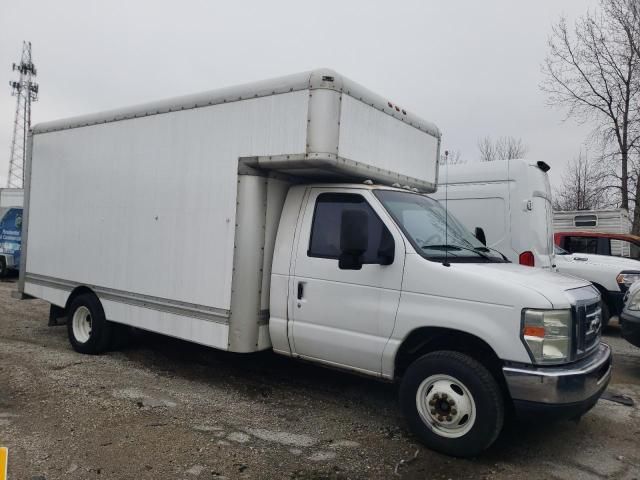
x=633 y=302
x=626 y=279
x=547 y=335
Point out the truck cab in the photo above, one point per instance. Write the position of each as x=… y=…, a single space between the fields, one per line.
x=382 y=281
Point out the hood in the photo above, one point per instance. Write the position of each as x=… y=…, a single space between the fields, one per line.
x=549 y=284
x=620 y=263
x=497 y=284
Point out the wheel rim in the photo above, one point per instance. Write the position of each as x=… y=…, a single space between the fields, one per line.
x=82 y=324
x=446 y=406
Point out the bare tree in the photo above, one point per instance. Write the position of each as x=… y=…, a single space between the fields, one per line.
x=504 y=148
x=487 y=149
x=627 y=14
x=584 y=186
x=593 y=72
x=510 y=147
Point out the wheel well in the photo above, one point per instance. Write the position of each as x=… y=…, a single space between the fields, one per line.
x=429 y=339
x=603 y=292
x=77 y=292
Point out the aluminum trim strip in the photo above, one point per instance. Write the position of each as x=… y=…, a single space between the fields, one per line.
x=176 y=307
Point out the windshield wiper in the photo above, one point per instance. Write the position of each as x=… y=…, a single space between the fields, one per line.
x=489 y=249
x=457 y=247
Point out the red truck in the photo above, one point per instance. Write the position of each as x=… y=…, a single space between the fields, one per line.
x=598 y=243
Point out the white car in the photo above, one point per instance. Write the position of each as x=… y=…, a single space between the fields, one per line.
x=611 y=275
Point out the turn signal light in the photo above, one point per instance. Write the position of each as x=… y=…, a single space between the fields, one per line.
x=527 y=259
x=534 y=331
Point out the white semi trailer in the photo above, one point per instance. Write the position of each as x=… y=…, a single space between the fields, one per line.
x=268 y=216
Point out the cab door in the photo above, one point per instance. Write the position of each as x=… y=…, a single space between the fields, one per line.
x=340 y=315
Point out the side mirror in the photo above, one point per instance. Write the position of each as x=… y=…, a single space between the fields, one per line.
x=387 y=249
x=354 y=239
x=481 y=236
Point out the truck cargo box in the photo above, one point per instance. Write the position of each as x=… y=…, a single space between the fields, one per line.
x=169 y=210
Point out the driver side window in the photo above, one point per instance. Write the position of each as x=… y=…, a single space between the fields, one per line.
x=327 y=223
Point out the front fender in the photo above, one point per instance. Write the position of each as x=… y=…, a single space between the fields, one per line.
x=497 y=325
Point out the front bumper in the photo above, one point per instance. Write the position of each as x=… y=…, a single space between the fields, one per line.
x=566 y=390
x=630 y=328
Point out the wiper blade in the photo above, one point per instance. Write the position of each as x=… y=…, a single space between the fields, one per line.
x=442 y=247
x=456 y=247
x=489 y=249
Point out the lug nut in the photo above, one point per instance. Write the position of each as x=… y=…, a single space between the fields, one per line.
x=452 y=402
x=433 y=411
x=449 y=418
x=444 y=396
x=440 y=418
x=453 y=411
x=432 y=402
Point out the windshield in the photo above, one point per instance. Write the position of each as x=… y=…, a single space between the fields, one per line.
x=432 y=233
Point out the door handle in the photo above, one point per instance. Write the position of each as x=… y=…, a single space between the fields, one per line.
x=300 y=290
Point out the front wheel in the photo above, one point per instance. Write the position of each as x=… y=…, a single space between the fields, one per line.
x=452 y=403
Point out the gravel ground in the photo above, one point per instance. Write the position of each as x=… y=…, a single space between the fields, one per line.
x=162 y=408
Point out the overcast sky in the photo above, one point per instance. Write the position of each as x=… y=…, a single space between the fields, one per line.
x=472 y=67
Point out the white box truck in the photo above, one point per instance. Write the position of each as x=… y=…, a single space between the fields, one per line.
x=264 y=216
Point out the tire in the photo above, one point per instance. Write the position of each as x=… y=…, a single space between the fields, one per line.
x=88 y=329
x=4 y=271
x=630 y=332
x=606 y=315
x=467 y=388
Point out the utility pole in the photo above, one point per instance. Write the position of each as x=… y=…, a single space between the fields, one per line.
x=26 y=91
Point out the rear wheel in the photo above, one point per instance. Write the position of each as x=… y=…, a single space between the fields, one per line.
x=452 y=403
x=87 y=327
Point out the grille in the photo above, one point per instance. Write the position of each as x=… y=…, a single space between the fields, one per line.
x=588 y=322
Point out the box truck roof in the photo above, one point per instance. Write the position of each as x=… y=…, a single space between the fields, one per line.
x=314 y=79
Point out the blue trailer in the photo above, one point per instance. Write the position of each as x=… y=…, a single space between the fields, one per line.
x=10 y=240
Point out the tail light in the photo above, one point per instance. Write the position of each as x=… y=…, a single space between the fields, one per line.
x=527 y=259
